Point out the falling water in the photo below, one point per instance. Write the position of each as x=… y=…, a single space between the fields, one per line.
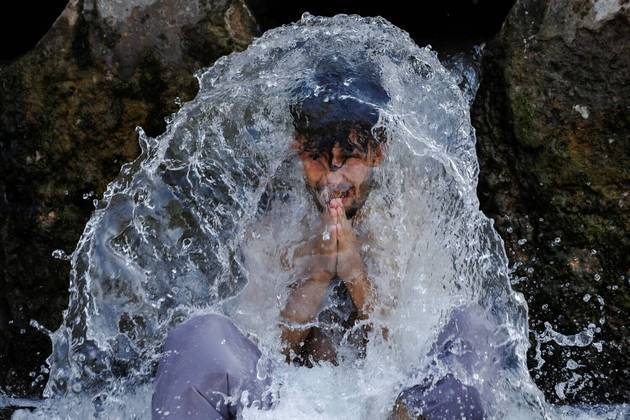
x=207 y=218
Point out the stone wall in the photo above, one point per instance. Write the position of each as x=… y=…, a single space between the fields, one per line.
x=69 y=111
x=553 y=124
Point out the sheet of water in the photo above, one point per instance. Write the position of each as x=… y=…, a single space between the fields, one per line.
x=208 y=217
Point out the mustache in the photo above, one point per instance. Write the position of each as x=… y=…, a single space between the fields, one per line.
x=327 y=192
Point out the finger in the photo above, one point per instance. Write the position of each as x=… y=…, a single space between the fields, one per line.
x=337 y=230
x=330 y=238
x=339 y=212
x=331 y=216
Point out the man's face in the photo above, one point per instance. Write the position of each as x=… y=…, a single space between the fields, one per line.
x=340 y=173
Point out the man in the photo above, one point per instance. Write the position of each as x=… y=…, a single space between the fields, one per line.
x=209 y=364
x=338 y=148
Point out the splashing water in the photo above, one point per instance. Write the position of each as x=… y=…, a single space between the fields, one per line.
x=208 y=217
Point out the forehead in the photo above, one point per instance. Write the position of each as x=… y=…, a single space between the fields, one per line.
x=325 y=140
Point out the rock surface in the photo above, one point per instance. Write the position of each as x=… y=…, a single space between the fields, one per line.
x=68 y=112
x=553 y=124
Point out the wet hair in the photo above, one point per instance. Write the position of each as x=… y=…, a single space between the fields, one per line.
x=340 y=98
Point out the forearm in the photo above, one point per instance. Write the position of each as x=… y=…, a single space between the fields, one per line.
x=361 y=290
x=305 y=299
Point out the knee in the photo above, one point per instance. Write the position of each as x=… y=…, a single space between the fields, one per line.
x=188 y=401
x=448 y=398
x=189 y=333
x=210 y=322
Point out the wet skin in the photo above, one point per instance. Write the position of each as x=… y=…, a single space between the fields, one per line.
x=339 y=182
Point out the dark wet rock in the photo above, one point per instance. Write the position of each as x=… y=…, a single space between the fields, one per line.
x=68 y=110
x=553 y=123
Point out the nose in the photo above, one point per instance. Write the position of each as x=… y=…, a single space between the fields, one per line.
x=337 y=158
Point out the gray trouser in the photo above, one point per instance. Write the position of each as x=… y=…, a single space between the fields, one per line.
x=207 y=359
x=472 y=343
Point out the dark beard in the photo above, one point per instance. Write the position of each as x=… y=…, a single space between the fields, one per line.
x=356 y=202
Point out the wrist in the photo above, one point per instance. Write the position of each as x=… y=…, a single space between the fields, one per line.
x=353 y=269
x=322 y=276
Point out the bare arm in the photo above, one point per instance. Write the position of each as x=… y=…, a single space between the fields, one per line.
x=305 y=299
x=316 y=260
x=358 y=283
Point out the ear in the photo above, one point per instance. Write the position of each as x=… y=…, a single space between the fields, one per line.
x=298 y=142
x=377 y=154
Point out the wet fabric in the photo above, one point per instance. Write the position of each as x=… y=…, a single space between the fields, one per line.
x=447 y=399
x=208 y=371
x=470 y=345
x=207 y=360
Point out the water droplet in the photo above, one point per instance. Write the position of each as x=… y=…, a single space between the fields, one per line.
x=559 y=388
x=572 y=364
x=60 y=254
x=582 y=110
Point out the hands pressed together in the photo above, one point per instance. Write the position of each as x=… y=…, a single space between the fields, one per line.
x=345 y=248
x=333 y=251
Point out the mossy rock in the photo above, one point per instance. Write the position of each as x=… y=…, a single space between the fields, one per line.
x=69 y=111
x=551 y=117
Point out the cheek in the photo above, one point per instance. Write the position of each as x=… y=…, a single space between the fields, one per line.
x=357 y=173
x=313 y=172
